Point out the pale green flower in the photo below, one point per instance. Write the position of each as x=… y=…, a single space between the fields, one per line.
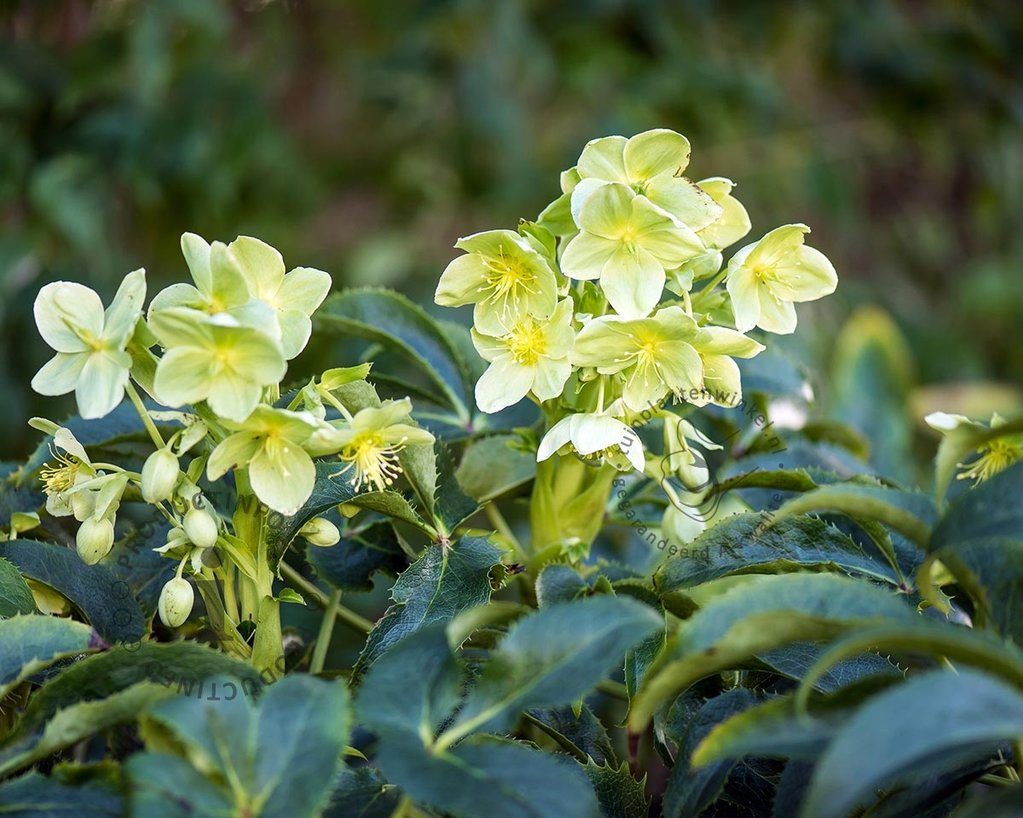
x=627 y=242
x=219 y=283
x=722 y=381
x=994 y=454
x=503 y=276
x=595 y=436
x=91 y=344
x=655 y=356
x=651 y=163
x=216 y=359
x=294 y=296
x=371 y=442
x=270 y=442
x=767 y=277
x=71 y=467
x=732 y=224
x=532 y=357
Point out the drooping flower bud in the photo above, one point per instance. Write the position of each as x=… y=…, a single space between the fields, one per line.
x=159 y=476
x=321 y=532
x=176 y=600
x=201 y=527
x=94 y=540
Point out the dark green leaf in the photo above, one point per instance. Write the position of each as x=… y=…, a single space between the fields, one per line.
x=690 y=791
x=30 y=643
x=902 y=734
x=440 y=584
x=104 y=599
x=553 y=657
x=15 y=595
x=351 y=564
x=282 y=752
x=362 y=793
x=391 y=319
x=35 y=796
x=579 y=734
x=558 y=583
x=494 y=466
x=619 y=794
x=747 y=544
x=757 y=617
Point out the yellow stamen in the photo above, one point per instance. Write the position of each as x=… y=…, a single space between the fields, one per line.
x=374 y=461
x=995 y=457
x=527 y=342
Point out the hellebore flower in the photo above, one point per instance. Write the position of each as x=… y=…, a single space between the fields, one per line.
x=216 y=359
x=654 y=355
x=294 y=296
x=503 y=276
x=627 y=242
x=371 y=442
x=532 y=357
x=732 y=224
x=270 y=442
x=766 y=278
x=91 y=344
x=219 y=283
x=651 y=163
x=595 y=436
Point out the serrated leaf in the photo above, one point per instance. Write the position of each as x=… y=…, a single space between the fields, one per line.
x=745 y=543
x=796 y=659
x=619 y=794
x=164 y=786
x=36 y=796
x=513 y=780
x=105 y=601
x=493 y=466
x=362 y=793
x=757 y=617
x=452 y=506
x=30 y=643
x=15 y=595
x=902 y=735
x=391 y=319
x=558 y=583
x=441 y=583
x=281 y=753
x=692 y=790
x=580 y=734
x=910 y=514
x=989 y=511
x=180 y=666
x=553 y=657
x=32 y=742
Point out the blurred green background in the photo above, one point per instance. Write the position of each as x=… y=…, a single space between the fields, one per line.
x=364 y=137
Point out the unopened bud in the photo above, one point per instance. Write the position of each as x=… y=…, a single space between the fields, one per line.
x=159 y=476
x=348 y=510
x=176 y=601
x=94 y=540
x=201 y=527
x=321 y=531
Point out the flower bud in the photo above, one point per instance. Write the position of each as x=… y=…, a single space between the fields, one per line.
x=83 y=504
x=321 y=531
x=176 y=601
x=201 y=527
x=94 y=540
x=159 y=476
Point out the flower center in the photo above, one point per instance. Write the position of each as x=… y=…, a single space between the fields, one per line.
x=61 y=477
x=527 y=342
x=995 y=457
x=375 y=462
x=507 y=279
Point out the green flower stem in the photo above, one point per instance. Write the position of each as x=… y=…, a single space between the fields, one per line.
x=349 y=617
x=326 y=631
x=499 y=523
x=709 y=288
x=147 y=421
x=568 y=502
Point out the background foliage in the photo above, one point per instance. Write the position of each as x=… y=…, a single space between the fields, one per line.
x=367 y=136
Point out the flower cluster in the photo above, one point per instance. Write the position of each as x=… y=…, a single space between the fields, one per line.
x=609 y=305
x=212 y=354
